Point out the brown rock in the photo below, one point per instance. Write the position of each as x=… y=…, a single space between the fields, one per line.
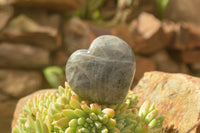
x=44 y=18
x=3 y=2
x=23 y=101
x=18 y=83
x=6 y=13
x=123 y=32
x=59 y=58
x=148 y=6
x=60 y=5
x=148 y=34
x=76 y=35
x=23 y=56
x=6 y=112
x=170 y=30
x=96 y=30
x=41 y=30
x=3 y=97
x=183 y=10
x=143 y=65
x=79 y=34
x=191 y=56
x=196 y=67
x=187 y=37
x=166 y=64
x=175 y=95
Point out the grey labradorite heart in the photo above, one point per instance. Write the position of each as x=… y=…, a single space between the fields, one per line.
x=104 y=72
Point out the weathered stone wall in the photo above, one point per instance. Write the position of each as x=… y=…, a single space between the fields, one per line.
x=30 y=40
x=36 y=35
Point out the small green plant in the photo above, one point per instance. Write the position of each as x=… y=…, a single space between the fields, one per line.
x=65 y=112
x=91 y=10
x=196 y=74
x=161 y=6
x=53 y=75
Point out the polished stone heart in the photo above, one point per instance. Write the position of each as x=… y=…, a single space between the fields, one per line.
x=104 y=72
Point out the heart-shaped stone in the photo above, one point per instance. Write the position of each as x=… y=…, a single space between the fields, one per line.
x=104 y=72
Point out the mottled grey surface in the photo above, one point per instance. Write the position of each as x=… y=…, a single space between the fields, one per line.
x=104 y=72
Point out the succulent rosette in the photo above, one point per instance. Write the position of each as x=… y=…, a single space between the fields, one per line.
x=65 y=112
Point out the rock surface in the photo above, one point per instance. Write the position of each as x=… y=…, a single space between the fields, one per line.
x=191 y=56
x=76 y=35
x=31 y=28
x=6 y=111
x=183 y=10
x=5 y=14
x=175 y=95
x=22 y=102
x=148 y=34
x=165 y=63
x=60 y=5
x=22 y=56
x=104 y=72
x=187 y=37
x=18 y=83
x=143 y=65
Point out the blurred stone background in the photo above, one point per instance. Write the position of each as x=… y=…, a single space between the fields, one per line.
x=38 y=36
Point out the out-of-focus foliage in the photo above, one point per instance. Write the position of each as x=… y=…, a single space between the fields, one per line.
x=53 y=75
x=91 y=10
x=108 y=13
x=196 y=75
x=161 y=5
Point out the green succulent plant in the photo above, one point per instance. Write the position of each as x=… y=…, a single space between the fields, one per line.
x=65 y=112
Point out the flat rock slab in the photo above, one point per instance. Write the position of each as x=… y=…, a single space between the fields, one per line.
x=23 y=56
x=19 y=83
x=59 y=5
x=37 y=28
x=6 y=13
x=177 y=96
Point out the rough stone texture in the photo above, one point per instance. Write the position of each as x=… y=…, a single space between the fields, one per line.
x=6 y=112
x=175 y=95
x=23 y=56
x=183 y=10
x=104 y=72
x=187 y=37
x=59 y=58
x=165 y=63
x=4 y=97
x=148 y=6
x=76 y=35
x=148 y=34
x=6 y=13
x=23 y=100
x=196 y=67
x=171 y=30
x=60 y=5
x=143 y=65
x=96 y=30
x=191 y=56
x=18 y=83
x=123 y=32
x=40 y=30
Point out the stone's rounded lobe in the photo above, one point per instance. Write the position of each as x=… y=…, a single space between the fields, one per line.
x=104 y=72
